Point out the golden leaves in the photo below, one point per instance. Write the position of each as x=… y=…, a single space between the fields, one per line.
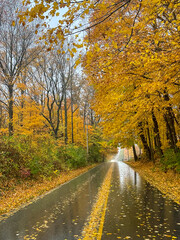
x=13 y=23
x=142 y=65
x=22 y=86
x=114 y=44
x=73 y=50
x=78 y=61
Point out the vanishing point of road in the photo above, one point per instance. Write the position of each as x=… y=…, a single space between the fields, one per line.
x=111 y=201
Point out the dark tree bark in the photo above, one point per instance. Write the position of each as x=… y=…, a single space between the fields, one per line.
x=65 y=119
x=157 y=138
x=92 y=117
x=22 y=106
x=50 y=107
x=169 y=118
x=10 y=109
x=150 y=145
x=144 y=142
x=84 y=117
x=134 y=153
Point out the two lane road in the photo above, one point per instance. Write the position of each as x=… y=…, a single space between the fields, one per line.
x=108 y=202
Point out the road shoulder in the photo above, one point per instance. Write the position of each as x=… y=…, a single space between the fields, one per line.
x=27 y=192
x=168 y=183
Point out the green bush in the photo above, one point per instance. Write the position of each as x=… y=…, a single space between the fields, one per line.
x=35 y=166
x=21 y=155
x=74 y=156
x=171 y=160
x=95 y=154
x=11 y=161
x=41 y=156
x=95 y=148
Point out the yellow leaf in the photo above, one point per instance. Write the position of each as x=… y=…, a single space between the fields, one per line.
x=74 y=50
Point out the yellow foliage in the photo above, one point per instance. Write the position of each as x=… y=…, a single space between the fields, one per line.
x=136 y=68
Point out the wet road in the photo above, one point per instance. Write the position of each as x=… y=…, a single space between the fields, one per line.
x=109 y=202
x=136 y=210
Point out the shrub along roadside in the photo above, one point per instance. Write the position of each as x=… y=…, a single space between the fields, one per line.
x=171 y=161
x=40 y=157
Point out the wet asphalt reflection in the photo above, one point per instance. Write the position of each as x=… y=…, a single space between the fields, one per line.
x=59 y=215
x=135 y=210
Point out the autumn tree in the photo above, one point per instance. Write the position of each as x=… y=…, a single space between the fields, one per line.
x=51 y=73
x=132 y=61
x=16 y=53
x=135 y=63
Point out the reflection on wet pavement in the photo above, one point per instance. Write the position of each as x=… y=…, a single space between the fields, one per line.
x=134 y=210
x=60 y=214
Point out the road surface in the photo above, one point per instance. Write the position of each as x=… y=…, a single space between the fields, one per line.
x=108 y=202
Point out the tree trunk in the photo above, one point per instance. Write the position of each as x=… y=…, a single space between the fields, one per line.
x=144 y=142
x=146 y=147
x=84 y=118
x=171 y=137
x=72 y=125
x=72 y=112
x=10 y=108
x=135 y=154
x=92 y=120
x=55 y=133
x=169 y=118
x=22 y=106
x=65 y=119
x=157 y=138
x=150 y=145
x=62 y=123
x=87 y=141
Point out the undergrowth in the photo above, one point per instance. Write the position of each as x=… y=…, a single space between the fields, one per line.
x=171 y=160
x=25 y=157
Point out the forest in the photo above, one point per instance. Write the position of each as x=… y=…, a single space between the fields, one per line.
x=47 y=123
x=106 y=75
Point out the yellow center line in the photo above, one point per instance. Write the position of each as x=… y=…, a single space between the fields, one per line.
x=93 y=229
x=103 y=217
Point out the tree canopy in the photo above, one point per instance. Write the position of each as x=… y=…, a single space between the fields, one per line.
x=130 y=57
